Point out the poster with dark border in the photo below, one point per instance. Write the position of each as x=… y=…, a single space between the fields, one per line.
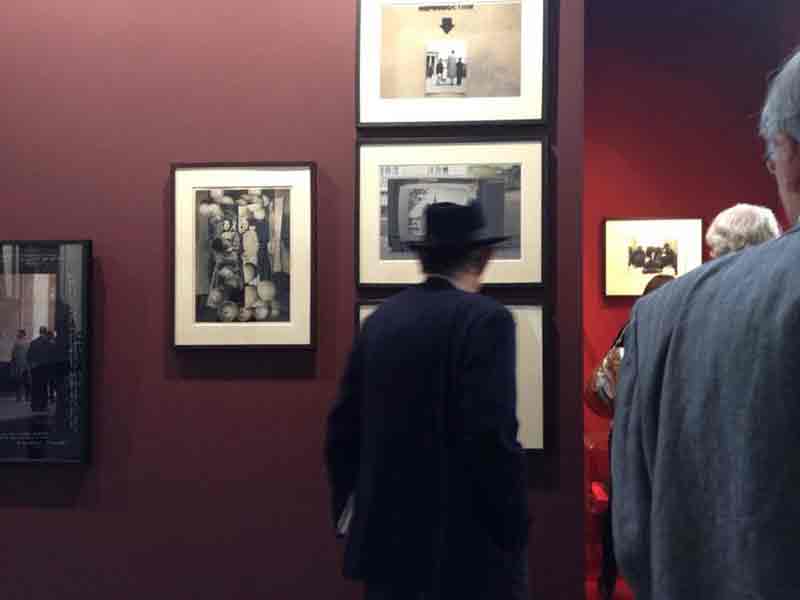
x=44 y=351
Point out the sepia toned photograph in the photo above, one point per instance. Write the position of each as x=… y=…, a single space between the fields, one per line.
x=44 y=351
x=243 y=255
x=407 y=191
x=636 y=250
x=437 y=62
x=437 y=37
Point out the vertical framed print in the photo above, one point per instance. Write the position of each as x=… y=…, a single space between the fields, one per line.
x=636 y=250
x=399 y=179
x=44 y=351
x=436 y=62
x=531 y=346
x=244 y=255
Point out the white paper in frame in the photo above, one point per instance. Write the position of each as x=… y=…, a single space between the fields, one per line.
x=297 y=331
x=524 y=270
x=530 y=369
x=525 y=103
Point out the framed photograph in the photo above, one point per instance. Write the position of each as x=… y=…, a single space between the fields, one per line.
x=399 y=179
x=244 y=255
x=44 y=351
x=636 y=250
x=530 y=369
x=443 y=63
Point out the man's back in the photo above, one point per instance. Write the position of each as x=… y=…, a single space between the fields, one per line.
x=432 y=378
x=705 y=462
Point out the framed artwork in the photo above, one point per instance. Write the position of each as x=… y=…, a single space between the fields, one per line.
x=636 y=250
x=530 y=369
x=435 y=62
x=244 y=255
x=44 y=351
x=399 y=179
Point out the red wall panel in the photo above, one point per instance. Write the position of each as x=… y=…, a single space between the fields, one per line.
x=673 y=91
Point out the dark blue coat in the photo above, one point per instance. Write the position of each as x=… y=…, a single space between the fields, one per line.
x=424 y=430
x=706 y=452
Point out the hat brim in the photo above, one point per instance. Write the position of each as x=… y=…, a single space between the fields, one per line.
x=476 y=243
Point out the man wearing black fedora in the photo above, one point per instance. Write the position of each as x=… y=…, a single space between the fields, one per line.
x=421 y=445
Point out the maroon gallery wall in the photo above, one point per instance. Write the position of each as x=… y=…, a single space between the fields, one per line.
x=207 y=480
x=673 y=91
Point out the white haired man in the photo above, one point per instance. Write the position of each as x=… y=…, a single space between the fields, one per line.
x=704 y=460
x=740 y=226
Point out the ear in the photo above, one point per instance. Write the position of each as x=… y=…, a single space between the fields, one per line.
x=786 y=145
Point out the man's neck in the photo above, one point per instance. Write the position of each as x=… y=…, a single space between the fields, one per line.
x=456 y=282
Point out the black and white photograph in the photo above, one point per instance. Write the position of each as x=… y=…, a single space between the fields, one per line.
x=400 y=178
x=446 y=68
x=660 y=259
x=44 y=351
x=437 y=62
x=636 y=250
x=243 y=255
x=407 y=190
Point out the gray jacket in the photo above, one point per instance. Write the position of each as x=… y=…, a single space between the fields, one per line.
x=706 y=452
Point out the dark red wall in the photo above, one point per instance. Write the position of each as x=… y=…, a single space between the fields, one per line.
x=207 y=480
x=673 y=91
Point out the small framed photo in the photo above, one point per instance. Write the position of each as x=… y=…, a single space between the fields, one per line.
x=531 y=346
x=244 y=255
x=399 y=179
x=44 y=351
x=636 y=250
x=435 y=62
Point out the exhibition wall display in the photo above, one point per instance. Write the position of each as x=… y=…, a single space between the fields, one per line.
x=44 y=351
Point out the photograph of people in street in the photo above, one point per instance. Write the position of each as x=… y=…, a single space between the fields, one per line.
x=446 y=68
x=243 y=255
x=42 y=349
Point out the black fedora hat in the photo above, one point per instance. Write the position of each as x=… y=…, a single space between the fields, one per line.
x=449 y=225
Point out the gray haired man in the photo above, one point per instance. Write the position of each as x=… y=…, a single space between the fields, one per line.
x=705 y=457
x=741 y=226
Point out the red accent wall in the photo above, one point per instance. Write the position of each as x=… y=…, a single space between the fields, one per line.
x=208 y=480
x=673 y=91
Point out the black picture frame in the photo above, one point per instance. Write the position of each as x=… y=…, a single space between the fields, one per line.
x=544 y=225
x=549 y=14
x=311 y=342
x=47 y=420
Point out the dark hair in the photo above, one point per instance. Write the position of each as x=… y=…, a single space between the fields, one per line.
x=449 y=261
x=21 y=332
x=656 y=282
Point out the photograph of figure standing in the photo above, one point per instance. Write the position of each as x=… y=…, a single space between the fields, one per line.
x=446 y=68
x=478 y=55
x=242 y=255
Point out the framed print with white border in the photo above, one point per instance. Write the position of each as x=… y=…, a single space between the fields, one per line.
x=529 y=320
x=438 y=62
x=244 y=262
x=398 y=179
x=636 y=250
